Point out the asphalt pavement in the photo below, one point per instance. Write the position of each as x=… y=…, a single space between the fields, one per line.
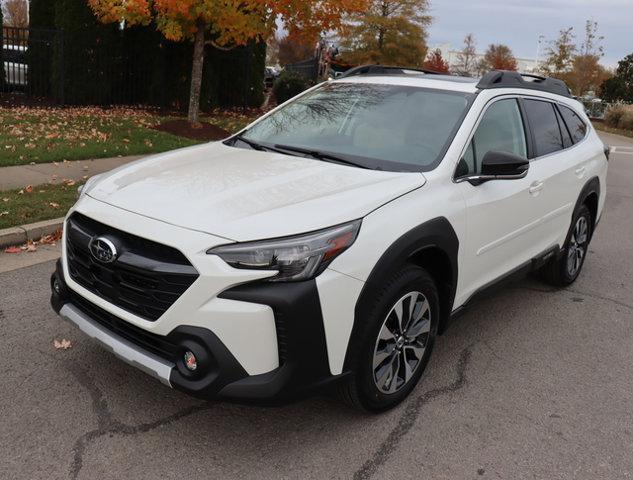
x=532 y=382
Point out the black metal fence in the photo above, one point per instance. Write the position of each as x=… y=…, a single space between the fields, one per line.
x=307 y=68
x=26 y=56
x=123 y=67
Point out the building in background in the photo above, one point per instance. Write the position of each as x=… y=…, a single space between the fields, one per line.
x=451 y=56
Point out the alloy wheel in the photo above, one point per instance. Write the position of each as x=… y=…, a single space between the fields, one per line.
x=401 y=343
x=577 y=246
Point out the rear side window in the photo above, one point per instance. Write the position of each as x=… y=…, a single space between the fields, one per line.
x=547 y=135
x=577 y=128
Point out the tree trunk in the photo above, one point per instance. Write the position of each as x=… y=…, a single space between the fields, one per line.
x=196 y=74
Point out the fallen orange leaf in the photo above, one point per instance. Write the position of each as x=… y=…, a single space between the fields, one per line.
x=63 y=344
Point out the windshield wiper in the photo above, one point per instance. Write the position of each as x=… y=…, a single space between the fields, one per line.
x=320 y=155
x=255 y=145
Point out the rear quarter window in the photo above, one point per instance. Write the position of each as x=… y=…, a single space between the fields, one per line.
x=577 y=128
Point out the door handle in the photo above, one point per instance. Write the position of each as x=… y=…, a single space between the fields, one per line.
x=580 y=172
x=536 y=187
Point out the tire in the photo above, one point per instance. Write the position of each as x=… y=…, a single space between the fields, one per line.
x=564 y=269
x=389 y=343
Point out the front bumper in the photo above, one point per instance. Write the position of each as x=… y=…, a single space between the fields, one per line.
x=303 y=366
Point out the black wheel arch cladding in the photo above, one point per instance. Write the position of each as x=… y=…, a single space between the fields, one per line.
x=436 y=237
x=590 y=195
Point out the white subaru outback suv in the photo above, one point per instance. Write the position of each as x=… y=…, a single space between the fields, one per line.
x=326 y=245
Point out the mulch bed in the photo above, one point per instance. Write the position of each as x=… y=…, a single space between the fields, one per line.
x=204 y=131
x=9 y=100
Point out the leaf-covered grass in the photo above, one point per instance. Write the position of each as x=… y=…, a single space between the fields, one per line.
x=42 y=135
x=232 y=121
x=43 y=202
x=617 y=131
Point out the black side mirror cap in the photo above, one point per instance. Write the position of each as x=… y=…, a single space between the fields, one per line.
x=498 y=166
x=503 y=165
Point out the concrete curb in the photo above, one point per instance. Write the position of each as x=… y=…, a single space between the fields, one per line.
x=33 y=231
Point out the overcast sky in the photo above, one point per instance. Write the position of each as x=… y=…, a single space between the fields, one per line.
x=518 y=23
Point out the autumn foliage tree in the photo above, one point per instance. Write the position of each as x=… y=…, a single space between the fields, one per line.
x=388 y=32
x=579 y=67
x=467 y=57
x=560 y=53
x=498 y=57
x=436 y=62
x=293 y=49
x=16 y=13
x=225 y=24
x=586 y=73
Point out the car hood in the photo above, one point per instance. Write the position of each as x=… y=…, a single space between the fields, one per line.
x=244 y=194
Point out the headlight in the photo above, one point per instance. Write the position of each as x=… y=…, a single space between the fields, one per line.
x=294 y=258
x=85 y=188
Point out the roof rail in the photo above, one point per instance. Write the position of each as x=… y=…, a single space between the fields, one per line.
x=508 y=79
x=384 y=70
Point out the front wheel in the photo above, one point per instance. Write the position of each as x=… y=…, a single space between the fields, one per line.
x=565 y=269
x=396 y=341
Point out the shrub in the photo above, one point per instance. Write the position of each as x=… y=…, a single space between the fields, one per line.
x=39 y=55
x=87 y=67
x=619 y=115
x=613 y=114
x=288 y=85
x=626 y=122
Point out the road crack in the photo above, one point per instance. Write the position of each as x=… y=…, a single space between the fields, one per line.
x=107 y=425
x=409 y=417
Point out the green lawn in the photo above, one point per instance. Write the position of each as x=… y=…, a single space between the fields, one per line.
x=44 y=202
x=617 y=131
x=52 y=135
x=42 y=135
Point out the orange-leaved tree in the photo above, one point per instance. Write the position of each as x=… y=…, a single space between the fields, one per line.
x=498 y=57
x=225 y=24
x=436 y=62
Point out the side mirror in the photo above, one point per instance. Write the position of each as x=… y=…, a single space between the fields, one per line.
x=504 y=166
x=499 y=166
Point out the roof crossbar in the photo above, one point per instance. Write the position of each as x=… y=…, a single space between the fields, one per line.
x=384 y=70
x=508 y=79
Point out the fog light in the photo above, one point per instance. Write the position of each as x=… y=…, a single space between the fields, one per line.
x=57 y=287
x=190 y=361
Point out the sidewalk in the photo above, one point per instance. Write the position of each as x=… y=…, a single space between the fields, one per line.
x=23 y=175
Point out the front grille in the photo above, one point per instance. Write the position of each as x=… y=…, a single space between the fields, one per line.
x=156 y=344
x=145 y=279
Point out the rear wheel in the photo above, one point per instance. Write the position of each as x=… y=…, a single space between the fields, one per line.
x=565 y=269
x=396 y=342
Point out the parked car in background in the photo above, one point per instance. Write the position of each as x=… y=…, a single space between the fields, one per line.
x=15 y=65
x=270 y=75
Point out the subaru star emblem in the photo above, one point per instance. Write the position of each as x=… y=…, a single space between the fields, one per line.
x=103 y=250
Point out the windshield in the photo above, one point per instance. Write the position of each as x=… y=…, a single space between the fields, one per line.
x=388 y=127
